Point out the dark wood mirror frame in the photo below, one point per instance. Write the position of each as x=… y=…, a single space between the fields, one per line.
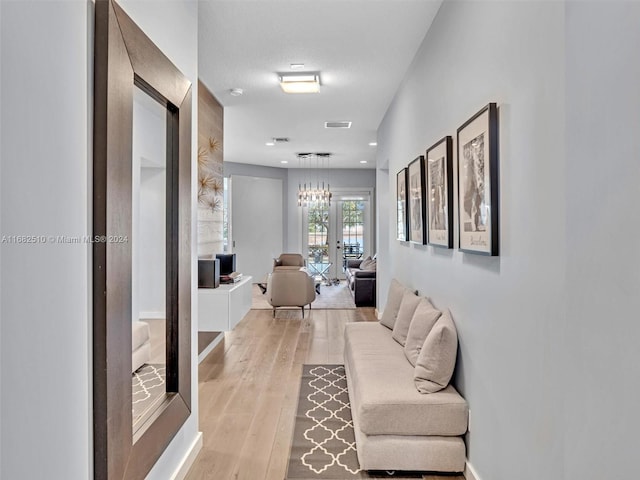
x=124 y=57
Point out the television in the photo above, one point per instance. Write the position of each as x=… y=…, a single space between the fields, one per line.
x=227 y=263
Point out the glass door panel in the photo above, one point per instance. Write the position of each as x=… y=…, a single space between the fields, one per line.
x=318 y=258
x=352 y=214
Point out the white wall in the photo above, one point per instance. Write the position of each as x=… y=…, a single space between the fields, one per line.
x=152 y=273
x=45 y=175
x=509 y=310
x=232 y=168
x=45 y=356
x=603 y=262
x=256 y=217
x=148 y=236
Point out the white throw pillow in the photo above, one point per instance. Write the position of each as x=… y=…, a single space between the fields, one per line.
x=408 y=307
x=394 y=298
x=365 y=263
x=424 y=318
x=437 y=358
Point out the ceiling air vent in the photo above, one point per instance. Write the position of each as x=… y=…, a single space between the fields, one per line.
x=337 y=124
x=280 y=140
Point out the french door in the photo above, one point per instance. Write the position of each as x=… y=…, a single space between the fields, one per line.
x=334 y=234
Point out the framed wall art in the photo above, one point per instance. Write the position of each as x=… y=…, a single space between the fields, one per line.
x=402 y=228
x=439 y=192
x=416 y=199
x=477 y=148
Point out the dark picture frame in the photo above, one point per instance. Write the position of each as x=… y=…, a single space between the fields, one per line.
x=402 y=227
x=125 y=57
x=478 y=183
x=416 y=201
x=438 y=163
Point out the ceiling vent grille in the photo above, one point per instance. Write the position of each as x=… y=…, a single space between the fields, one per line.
x=280 y=140
x=337 y=124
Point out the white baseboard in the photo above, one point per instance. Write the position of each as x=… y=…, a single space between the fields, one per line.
x=210 y=347
x=470 y=472
x=378 y=314
x=189 y=458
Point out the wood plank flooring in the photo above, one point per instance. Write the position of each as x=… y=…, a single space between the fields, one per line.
x=248 y=389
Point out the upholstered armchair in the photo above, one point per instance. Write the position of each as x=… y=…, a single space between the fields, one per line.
x=288 y=261
x=290 y=288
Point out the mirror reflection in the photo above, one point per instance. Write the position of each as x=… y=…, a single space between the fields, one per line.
x=148 y=243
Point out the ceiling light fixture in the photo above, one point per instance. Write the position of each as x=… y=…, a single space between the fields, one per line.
x=300 y=82
x=236 y=92
x=269 y=144
x=297 y=66
x=337 y=124
x=318 y=196
x=363 y=161
x=284 y=161
x=373 y=144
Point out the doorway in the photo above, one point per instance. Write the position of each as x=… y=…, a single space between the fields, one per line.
x=332 y=235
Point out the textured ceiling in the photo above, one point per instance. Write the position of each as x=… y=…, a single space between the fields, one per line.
x=361 y=47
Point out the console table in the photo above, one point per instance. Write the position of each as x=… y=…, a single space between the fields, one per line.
x=220 y=309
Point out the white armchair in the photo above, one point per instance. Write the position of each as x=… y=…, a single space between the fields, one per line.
x=290 y=288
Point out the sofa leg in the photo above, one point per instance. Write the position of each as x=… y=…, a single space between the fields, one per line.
x=274 y=312
x=302 y=307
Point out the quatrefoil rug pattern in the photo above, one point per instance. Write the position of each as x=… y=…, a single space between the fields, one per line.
x=147 y=386
x=324 y=445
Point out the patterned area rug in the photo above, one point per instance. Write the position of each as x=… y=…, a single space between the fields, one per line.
x=323 y=444
x=147 y=386
x=331 y=297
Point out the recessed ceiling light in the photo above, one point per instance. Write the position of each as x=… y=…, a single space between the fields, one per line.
x=236 y=92
x=269 y=144
x=297 y=66
x=363 y=161
x=373 y=144
x=300 y=82
x=284 y=161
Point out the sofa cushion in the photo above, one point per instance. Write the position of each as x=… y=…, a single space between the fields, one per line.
x=437 y=359
x=394 y=298
x=365 y=262
x=385 y=400
x=424 y=318
x=139 y=334
x=408 y=307
x=369 y=266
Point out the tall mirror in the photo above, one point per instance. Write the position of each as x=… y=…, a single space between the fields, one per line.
x=148 y=256
x=142 y=264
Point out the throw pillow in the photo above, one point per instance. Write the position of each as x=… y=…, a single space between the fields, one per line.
x=364 y=263
x=394 y=298
x=437 y=358
x=423 y=320
x=408 y=307
x=370 y=267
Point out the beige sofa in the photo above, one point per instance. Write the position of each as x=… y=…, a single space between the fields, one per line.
x=406 y=417
x=140 y=344
x=290 y=288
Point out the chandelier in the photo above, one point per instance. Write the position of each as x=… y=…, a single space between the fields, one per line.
x=307 y=194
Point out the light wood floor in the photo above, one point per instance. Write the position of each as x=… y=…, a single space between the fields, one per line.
x=248 y=389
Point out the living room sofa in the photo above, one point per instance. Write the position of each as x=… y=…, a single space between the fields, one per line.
x=140 y=344
x=362 y=281
x=406 y=416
